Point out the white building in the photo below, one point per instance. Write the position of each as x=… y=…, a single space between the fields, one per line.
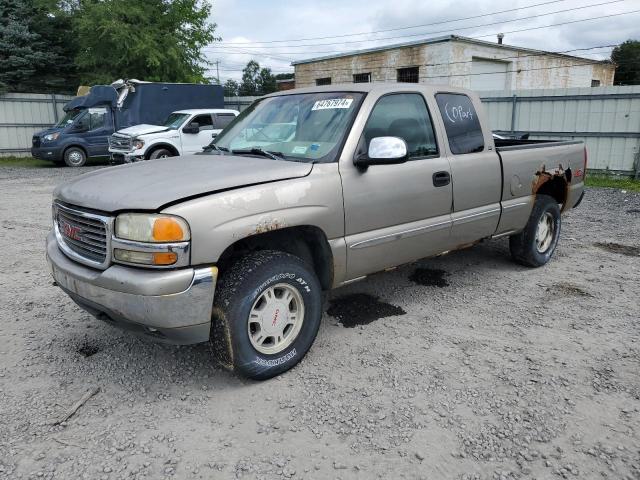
x=458 y=61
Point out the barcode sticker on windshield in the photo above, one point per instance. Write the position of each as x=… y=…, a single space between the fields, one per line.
x=332 y=103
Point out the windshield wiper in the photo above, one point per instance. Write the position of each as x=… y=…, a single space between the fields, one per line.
x=213 y=146
x=259 y=151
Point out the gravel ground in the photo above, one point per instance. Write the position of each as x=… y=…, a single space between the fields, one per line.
x=466 y=366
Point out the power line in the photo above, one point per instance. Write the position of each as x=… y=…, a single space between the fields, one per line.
x=402 y=28
x=441 y=31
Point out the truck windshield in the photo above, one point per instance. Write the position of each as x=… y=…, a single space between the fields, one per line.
x=307 y=127
x=70 y=117
x=174 y=120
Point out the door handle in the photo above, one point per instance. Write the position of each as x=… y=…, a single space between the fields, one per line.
x=440 y=179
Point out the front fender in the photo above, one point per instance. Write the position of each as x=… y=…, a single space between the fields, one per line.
x=219 y=220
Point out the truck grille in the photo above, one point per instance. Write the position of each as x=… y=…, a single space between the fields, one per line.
x=120 y=142
x=35 y=141
x=83 y=236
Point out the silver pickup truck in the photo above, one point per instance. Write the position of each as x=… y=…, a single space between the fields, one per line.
x=305 y=191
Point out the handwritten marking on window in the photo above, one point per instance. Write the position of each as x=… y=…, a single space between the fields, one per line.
x=457 y=113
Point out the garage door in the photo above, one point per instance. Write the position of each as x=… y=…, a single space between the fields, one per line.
x=488 y=75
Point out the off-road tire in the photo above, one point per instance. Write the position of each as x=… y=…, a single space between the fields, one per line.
x=523 y=245
x=238 y=288
x=75 y=157
x=161 y=153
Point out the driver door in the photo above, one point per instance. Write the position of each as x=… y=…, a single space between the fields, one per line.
x=195 y=142
x=399 y=213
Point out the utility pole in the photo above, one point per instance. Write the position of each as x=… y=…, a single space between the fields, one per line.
x=217 y=62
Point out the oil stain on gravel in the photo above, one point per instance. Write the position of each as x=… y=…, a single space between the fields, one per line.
x=361 y=309
x=628 y=250
x=429 y=277
x=88 y=350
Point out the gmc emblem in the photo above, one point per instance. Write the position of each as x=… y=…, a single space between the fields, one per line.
x=70 y=231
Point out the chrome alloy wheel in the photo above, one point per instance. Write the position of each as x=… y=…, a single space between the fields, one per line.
x=545 y=232
x=275 y=319
x=76 y=158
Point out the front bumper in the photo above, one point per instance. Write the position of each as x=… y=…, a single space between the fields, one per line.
x=118 y=156
x=174 y=306
x=47 y=152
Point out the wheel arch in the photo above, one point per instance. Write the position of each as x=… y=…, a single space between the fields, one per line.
x=156 y=146
x=307 y=242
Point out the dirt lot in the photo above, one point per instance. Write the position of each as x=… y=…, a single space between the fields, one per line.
x=465 y=366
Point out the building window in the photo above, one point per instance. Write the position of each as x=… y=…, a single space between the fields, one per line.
x=323 y=81
x=362 y=77
x=409 y=75
x=595 y=83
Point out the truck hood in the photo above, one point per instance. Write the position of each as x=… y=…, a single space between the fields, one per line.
x=46 y=131
x=152 y=184
x=142 y=129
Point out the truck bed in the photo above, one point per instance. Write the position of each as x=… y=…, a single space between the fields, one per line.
x=506 y=144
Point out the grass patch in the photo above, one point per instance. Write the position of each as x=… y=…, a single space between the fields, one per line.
x=609 y=181
x=30 y=162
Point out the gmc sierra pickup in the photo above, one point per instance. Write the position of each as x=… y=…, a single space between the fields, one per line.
x=236 y=245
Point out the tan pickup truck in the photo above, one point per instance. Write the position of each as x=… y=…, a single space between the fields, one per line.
x=305 y=191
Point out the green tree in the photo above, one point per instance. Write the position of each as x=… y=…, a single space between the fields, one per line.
x=153 y=40
x=249 y=84
x=53 y=22
x=626 y=56
x=35 y=52
x=285 y=76
x=231 y=88
x=256 y=80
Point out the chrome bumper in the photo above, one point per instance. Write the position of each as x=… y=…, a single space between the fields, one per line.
x=170 y=305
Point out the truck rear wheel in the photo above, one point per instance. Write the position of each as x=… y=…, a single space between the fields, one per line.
x=267 y=313
x=160 y=153
x=75 y=157
x=535 y=245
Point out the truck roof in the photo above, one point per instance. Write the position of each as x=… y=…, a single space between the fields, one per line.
x=206 y=110
x=375 y=87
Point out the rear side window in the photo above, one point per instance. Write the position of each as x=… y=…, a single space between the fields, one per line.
x=461 y=123
x=403 y=115
x=224 y=119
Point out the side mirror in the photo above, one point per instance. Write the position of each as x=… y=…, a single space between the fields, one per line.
x=383 y=151
x=214 y=135
x=193 y=127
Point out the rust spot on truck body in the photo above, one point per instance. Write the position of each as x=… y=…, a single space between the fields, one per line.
x=268 y=225
x=544 y=176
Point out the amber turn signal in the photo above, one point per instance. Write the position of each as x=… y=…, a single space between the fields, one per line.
x=166 y=229
x=165 y=258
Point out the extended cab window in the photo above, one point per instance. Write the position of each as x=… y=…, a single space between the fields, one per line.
x=224 y=119
x=461 y=123
x=205 y=122
x=403 y=115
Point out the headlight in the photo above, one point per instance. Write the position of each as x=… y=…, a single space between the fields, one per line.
x=152 y=228
x=50 y=137
x=137 y=143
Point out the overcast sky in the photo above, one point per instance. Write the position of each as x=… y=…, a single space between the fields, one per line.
x=247 y=25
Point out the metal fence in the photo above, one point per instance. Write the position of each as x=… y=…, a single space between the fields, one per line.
x=22 y=114
x=238 y=103
x=607 y=119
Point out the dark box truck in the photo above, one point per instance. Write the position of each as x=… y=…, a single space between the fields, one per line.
x=90 y=120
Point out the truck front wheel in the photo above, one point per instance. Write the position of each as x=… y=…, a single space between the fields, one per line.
x=75 y=157
x=267 y=313
x=534 y=246
x=160 y=153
